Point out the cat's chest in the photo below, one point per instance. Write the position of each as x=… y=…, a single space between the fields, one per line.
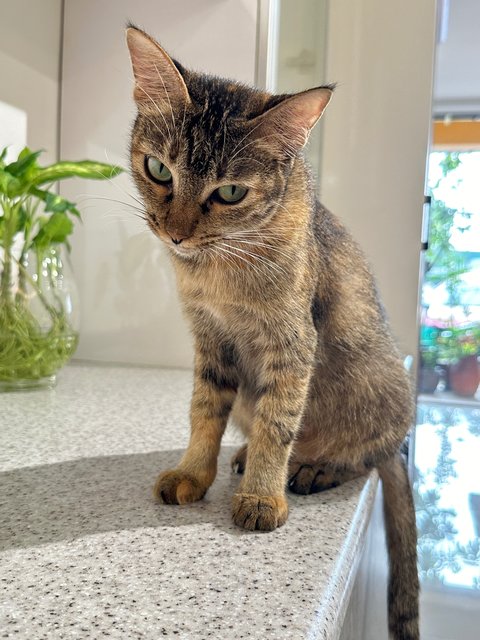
x=249 y=321
x=212 y=314
x=212 y=303
x=216 y=317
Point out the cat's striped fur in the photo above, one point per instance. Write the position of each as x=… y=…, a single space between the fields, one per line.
x=290 y=337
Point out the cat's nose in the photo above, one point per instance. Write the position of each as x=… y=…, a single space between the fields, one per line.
x=179 y=227
x=177 y=237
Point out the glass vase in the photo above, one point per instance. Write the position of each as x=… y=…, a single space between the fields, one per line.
x=38 y=317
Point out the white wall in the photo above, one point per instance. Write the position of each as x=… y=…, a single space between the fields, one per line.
x=376 y=139
x=29 y=72
x=375 y=146
x=130 y=310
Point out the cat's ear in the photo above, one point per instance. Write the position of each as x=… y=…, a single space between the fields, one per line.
x=156 y=76
x=287 y=125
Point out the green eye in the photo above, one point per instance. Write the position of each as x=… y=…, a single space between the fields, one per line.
x=156 y=170
x=230 y=193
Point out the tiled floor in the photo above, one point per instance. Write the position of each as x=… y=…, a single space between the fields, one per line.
x=447 y=494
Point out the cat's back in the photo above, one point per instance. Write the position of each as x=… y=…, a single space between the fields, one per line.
x=346 y=285
x=353 y=328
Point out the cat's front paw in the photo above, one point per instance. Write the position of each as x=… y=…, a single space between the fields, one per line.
x=178 y=487
x=259 y=513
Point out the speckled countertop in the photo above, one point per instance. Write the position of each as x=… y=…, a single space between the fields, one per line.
x=85 y=552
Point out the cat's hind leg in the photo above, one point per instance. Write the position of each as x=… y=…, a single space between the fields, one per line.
x=241 y=418
x=305 y=478
x=239 y=459
x=314 y=477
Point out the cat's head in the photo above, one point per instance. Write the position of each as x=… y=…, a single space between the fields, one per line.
x=211 y=157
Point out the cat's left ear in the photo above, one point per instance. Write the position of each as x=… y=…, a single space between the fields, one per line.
x=287 y=125
x=156 y=76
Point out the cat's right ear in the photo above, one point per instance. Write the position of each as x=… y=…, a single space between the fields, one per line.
x=157 y=78
x=287 y=125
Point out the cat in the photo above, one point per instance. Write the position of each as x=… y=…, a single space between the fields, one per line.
x=291 y=340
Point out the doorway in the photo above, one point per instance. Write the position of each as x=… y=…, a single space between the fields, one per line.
x=447 y=439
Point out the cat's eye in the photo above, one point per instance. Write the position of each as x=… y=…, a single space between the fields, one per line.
x=230 y=193
x=157 y=171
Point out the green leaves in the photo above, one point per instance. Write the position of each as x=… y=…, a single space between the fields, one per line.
x=20 y=196
x=82 y=169
x=54 y=229
x=15 y=177
x=3 y=155
x=444 y=264
x=57 y=227
x=26 y=160
x=54 y=202
x=9 y=185
x=25 y=174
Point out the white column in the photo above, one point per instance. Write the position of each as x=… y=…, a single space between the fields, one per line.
x=376 y=134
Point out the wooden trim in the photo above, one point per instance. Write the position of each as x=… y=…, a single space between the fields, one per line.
x=456 y=135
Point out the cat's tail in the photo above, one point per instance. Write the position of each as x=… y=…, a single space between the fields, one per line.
x=401 y=530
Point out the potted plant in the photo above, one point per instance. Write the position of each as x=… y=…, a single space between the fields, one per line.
x=428 y=374
x=458 y=342
x=38 y=318
x=465 y=368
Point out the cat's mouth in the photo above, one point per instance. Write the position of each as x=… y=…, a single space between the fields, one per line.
x=184 y=250
x=192 y=250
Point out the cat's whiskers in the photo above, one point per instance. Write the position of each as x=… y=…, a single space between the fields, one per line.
x=224 y=258
x=291 y=151
x=274 y=238
x=268 y=272
x=126 y=204
x=156 y=127
x=125 y=215
x=264 y=233
x=166 y=93
x=115 y=214
x=245 y=146
x=249 y=159
x=217 y=256
x=261 y=258
x=110 y=219
x=251 y=241
x=222 y=246
x=245 y=137
x=234 y=263
x=224 y=139
x=117 y=186
x=155 y=104
x=183 y=120
x=158 y=109
x=110 y=180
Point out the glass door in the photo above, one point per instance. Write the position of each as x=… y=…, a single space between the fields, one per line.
x=447 y=439
x=301 y=56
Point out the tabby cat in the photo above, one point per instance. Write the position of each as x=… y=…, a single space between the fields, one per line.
x=291 y=340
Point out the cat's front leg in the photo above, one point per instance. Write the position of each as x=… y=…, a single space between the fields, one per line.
x=260 y=502
x=213 y=395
